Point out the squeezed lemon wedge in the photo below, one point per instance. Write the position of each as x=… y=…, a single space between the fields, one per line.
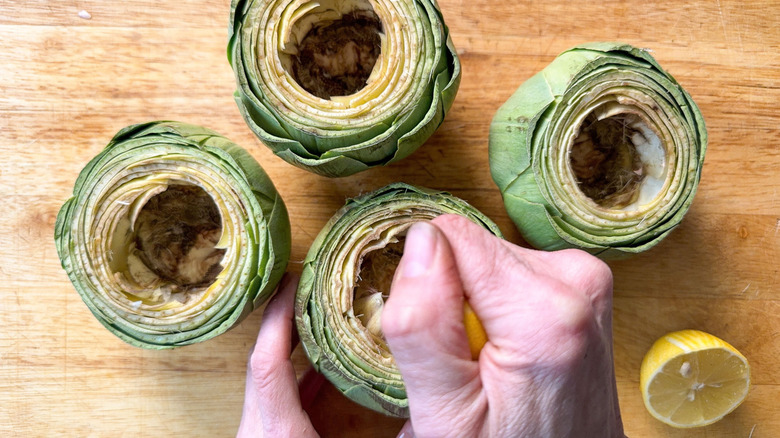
x=474 y=331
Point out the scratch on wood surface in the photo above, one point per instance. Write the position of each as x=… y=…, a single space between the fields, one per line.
x=723 y=25
x=739 y=37
x=751 y=431
x=674 y=26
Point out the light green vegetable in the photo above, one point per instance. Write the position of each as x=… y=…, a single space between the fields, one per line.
x=601 y=150
x=337 y=87
x=345 y=281
x=173 y=235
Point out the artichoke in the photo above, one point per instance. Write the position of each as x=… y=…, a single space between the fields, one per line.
x=336 y=87
x=602 y=150
x=345 y=280
x=173 y=235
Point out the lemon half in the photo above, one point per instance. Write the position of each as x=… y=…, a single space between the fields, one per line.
x=691 y=378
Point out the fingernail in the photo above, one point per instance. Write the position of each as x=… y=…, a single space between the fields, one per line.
x=419 y=250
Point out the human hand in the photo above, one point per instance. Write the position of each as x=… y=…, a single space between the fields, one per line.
x=272 y=404
x=275 y=406
x=546 y=370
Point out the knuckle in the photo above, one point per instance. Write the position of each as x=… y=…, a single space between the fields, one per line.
x=576 y=317
x=571 y=347
x=601 y=277
x=580 y=257
x=399 y=322
x=574 y=311
x=593 y=274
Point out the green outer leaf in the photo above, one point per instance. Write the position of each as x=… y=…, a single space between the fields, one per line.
x=338 y=150
x=266 y=221
x=376 y=389
x=523 y=135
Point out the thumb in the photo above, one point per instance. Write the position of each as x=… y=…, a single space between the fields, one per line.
x=423 y=322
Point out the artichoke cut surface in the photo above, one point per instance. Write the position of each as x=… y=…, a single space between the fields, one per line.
x=336 y=87
x=345 y=281
x=602 y=150
x=173 y=235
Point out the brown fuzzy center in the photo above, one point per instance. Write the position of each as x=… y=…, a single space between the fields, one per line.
x=605 y=161
x=373 y=286
x=335 y=58
x=176 y=234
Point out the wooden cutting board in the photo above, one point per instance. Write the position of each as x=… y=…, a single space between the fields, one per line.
x=67 y=84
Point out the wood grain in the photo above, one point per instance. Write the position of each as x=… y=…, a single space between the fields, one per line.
x=68 y=84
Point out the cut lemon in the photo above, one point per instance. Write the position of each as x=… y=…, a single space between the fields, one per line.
x=474 y=331
x=691 y=378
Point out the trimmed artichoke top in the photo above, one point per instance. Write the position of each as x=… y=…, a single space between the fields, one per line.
x=336 y=87
x=602 y=150
x=345 y=281
x=173 y=235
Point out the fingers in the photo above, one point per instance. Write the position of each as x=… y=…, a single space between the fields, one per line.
x=272 y=406
x=587 y=276
x=581 y=271
x=482 y=258
x=539 y=311
x=423 y=321
x=560 y=291
x=484 y=261
x=480 y=254
x=498 y=278
x=275 y=336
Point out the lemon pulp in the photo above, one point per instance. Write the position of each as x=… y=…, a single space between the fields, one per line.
x=691 y=378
